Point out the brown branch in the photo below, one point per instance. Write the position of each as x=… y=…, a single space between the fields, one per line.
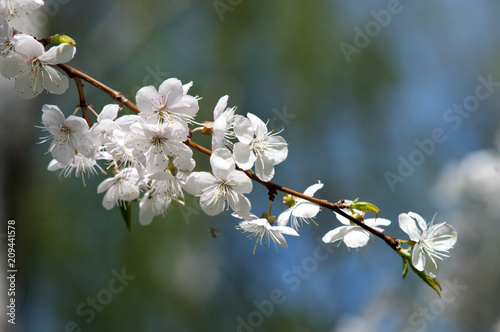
x=394 y=243
x=116 y=95
x=335 y=207
x=83 y=103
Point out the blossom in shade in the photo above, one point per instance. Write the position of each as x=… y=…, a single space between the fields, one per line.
x=122 y=187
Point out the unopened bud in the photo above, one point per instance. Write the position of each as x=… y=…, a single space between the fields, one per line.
x=62 y=39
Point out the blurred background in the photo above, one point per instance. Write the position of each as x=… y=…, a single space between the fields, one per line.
x=388 y=101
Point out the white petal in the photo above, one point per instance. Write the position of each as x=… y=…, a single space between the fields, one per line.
x=171 y=89
x=264 y=168
x=210 y=204
x=222 y=163
x=59 y=54
x=109 y=112
x=336 y=234
x=421 y=222
x=343 y=219
x=442 y=237
x=418 y=259
x=243 y=155
x=356 y=237
x=220 y=107
x=240 y=182
x=239 y=204
x=284 y=217
x=13 y=64
x=243 y=129
x=409 y=226
x=311 y=190
x=305 y=209
x=105 y=185
x=286 y=230
x=197 y=182
x=258 y=126
x=277 y=149
x=52 y=118
x=146 y=213
x=54 y=81
x=377 y=222
x=30 y=47
x=145 y=97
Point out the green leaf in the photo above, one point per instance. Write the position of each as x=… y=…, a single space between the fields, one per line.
x=126 y=211
x=405 y=268
x=364 y=206
x=432 y=282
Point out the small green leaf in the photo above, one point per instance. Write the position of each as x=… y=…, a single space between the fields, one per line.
x=405 y=268
x=365 y=207
x=126 y=211
x=62 y=39
x=432 y=282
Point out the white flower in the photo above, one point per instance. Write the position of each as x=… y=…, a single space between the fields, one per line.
x=257 y=146
x=261 y=229
x=102 y=131
x=155 y=201
x=6 y=40
x=30 y=66
x=153 y=143
x=302 y=211
x=223 y=130
x=15 y=9
x=122 y=187
x=226 y=185
x=354 y=236
x=69 y=135
x=170 y=103
x=431 y=243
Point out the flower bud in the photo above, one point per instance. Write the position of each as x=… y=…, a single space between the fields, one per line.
x=62 y=39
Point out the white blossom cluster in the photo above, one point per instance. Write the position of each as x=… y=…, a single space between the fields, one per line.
x=152 y=163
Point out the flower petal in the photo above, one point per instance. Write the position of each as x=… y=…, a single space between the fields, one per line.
x=59 y=54
x=356 y=237
x=409 y=226
x=336 y=234
x=243 y=155
x=442 y=237
x=222 y=163
x=264 y=168
x=197 y=182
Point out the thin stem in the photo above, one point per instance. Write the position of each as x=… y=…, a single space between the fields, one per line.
x=116 y=95
x=336 y=207
x=83 y=103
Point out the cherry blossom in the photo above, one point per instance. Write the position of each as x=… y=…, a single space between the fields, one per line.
x=257 y=146
x=431 y=243
x=261 y=229
x=354 y=236
x=170 y=103
x=122 y=187
x=31 y=67
x=226 y=185
x=302 y=210
x=68 y=135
